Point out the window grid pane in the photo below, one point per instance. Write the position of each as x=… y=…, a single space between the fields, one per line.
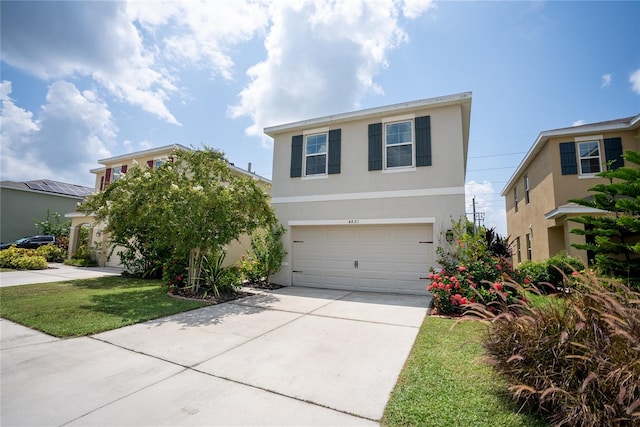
x=589 y=153
x=316 y=164
x=399 y=155
x=316 y=154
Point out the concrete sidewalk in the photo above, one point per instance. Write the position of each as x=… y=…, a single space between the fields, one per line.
x=296 y=356
x=57 y=272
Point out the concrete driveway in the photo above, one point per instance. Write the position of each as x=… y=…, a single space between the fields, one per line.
x=57 y=272
x=296 y=356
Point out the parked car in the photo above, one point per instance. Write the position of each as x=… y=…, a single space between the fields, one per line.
x=32 y=242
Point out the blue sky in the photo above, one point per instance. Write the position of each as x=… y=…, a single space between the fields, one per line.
x=85 y=80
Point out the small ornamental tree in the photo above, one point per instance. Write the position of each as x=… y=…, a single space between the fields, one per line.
x=267 y=250
x=52 y=225
x=614 y=238
x=187 y=208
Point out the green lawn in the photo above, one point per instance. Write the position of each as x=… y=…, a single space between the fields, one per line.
x=444 y=383
x=88 y=306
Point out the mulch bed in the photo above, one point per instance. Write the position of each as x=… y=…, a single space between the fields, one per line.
x=226 y=297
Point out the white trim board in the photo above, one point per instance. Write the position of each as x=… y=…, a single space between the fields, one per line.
x=446 y=191
x=366 y=221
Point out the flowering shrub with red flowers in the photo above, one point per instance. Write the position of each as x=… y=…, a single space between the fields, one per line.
x=471 y=272
x=175 y=273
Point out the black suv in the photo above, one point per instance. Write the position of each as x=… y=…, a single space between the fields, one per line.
x=32 y=242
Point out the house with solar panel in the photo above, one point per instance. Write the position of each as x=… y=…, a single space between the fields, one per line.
x=24 y=203
x=562 y=164
x=112 y=169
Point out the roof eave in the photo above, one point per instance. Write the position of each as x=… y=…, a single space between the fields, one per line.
x=460 y=98
x=577 y=130
x=143 y=153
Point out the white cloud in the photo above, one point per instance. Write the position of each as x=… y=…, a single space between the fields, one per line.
x=487 y=199
x=634 y=79
x=579 y=122
x=54 y=40
x=72 y=129
x=202 y=32
x=606 y=80
x=322 y=57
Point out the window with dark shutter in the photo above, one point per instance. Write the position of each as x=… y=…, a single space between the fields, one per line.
x=375 y=147
x=296 y=156
x=107 y=176
x=568 y=160
x=335 y=136
x=150 y=164
x=124 y=169
x=423 y=141
x=102 y=183
x=613 y=152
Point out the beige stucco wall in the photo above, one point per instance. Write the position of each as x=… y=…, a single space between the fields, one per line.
x=549 y=190
x=359 y=196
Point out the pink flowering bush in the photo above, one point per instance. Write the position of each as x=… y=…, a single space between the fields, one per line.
x=472 y=272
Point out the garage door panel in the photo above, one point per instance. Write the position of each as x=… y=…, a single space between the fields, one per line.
x=389 y=257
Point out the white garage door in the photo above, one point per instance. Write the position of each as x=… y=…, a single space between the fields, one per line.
x=389 y=258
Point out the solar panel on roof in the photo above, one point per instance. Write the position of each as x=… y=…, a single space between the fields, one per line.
x=59 y=188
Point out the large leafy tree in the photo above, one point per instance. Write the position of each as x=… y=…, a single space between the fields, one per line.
x=614 y=238
x=187 y=208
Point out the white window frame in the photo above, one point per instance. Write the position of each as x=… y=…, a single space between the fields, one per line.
x=412 y=143
x=325 y=153
x=116 y=173
x=580 y=158
x=527 y=196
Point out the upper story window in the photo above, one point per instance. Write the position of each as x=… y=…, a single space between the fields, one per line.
x=399 y=144
x=116 y=173
x=526 y=189
x=589 y=155
x=515 y=198
x=315 y=151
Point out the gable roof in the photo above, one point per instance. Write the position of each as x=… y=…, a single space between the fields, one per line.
x=49 y=186
x=162 y=150
x=626 y=123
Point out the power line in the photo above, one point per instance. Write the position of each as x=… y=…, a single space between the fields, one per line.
x=497 y=155
x=490 y=169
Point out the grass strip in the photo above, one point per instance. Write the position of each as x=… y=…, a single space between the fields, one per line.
x=88 y=306
x=444 y=382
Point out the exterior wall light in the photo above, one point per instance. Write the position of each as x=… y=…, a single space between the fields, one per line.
x=449 y=235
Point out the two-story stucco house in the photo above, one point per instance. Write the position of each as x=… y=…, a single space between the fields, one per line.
x=111 y=170
x=561 y=165
x=366 y=195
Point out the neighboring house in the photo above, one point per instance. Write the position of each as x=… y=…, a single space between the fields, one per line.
x=113 y=168
x=365 y=196
x=561 y=165
x=23 y=203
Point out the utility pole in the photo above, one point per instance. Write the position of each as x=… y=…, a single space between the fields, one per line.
x=474 y=216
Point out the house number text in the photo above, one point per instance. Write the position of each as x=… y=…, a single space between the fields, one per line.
x=354 y=221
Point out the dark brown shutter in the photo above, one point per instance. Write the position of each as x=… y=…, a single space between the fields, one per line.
x=334 y=151
x=375 y=146
x=423 y=141
x=296 y=156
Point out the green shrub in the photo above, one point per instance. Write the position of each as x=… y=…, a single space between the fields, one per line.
x=577 y=361
x=562 y=266
x=265 y=256
x=22 y=259
x=51 y=253
x=534 y=272
x=175 y=272
x=29 y=262
x=218 y=279
x=250 y=270
x=80 y=262
x=554 y=271
x=82 y=253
